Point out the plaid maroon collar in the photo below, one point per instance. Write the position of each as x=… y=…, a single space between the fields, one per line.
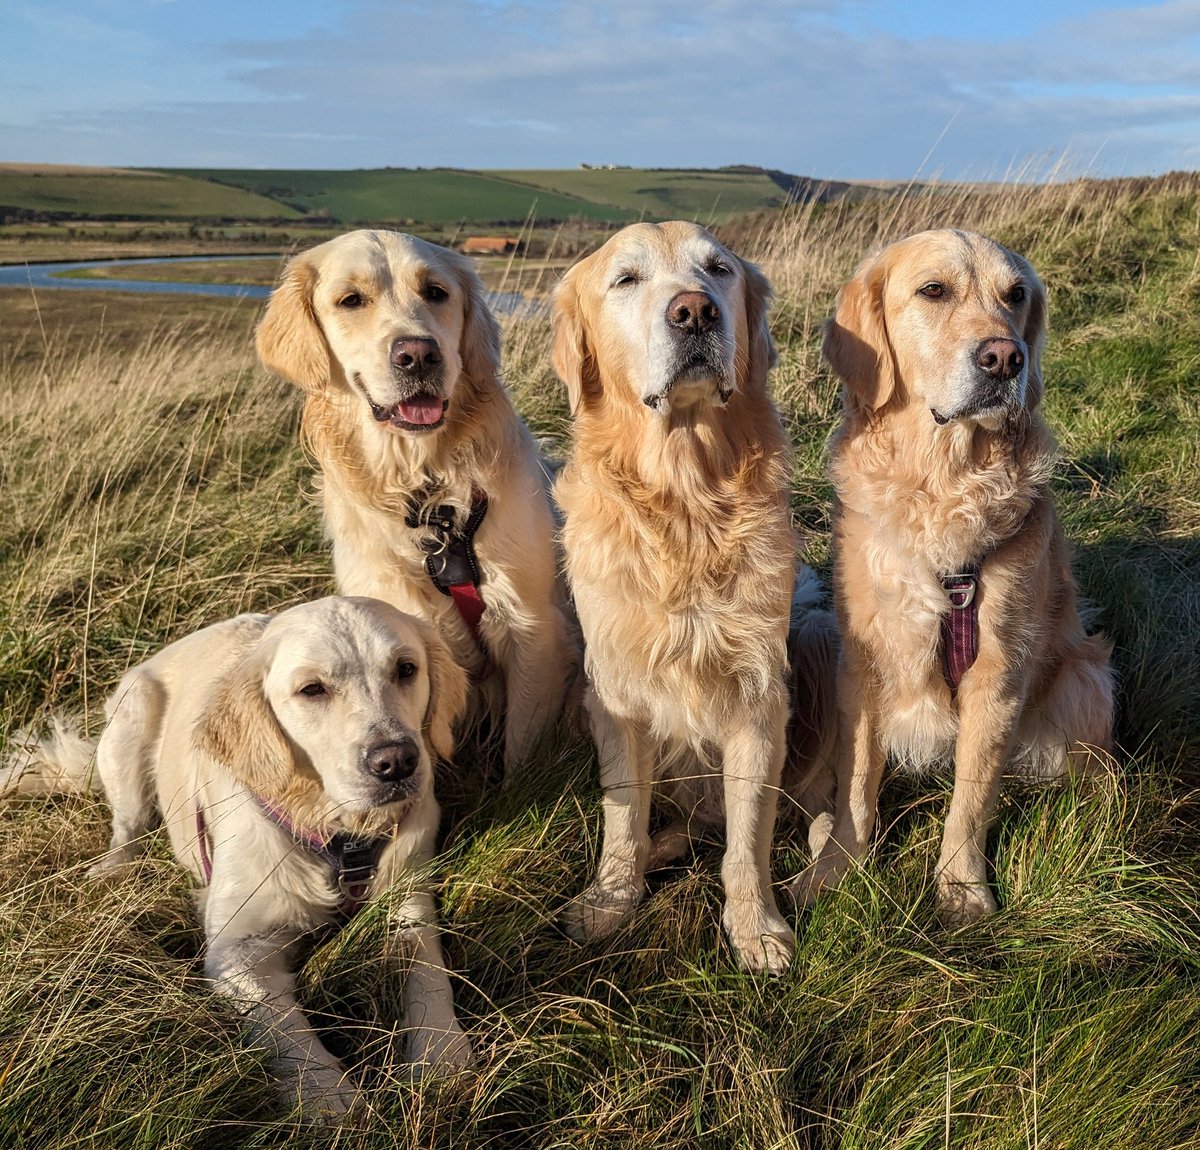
x=960 y=625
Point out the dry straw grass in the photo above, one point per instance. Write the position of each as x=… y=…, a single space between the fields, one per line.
x=149 y=487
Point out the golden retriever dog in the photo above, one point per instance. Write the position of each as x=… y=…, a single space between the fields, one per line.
x=434 y=495
x=682 y=559
x=961 y=639
x=291 y=761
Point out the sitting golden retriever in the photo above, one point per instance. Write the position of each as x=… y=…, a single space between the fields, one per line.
x=961 y=641
x=291 y=761
x=682 y=559
x=434 y=494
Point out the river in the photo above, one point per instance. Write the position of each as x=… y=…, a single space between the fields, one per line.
x=42 y=276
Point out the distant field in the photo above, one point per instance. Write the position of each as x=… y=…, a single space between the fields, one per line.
x=128 y=194
x=441 y=198
x=395 y=195
x=261 y=272
x=709 y=196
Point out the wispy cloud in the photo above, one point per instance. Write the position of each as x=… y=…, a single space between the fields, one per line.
x=830 y=87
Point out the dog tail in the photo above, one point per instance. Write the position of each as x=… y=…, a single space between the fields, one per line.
x=61 y=763
x=813 y=646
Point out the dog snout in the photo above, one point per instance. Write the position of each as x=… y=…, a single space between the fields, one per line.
x=392 y=762
x=416 y=357
x=693 y=311
x=1001 y=359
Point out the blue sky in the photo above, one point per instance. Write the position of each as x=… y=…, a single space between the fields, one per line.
x=849 y=89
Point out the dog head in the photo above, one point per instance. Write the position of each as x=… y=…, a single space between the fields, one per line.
x=947 y=319
x=401 y=323
x=675 y=318
x=340 y=708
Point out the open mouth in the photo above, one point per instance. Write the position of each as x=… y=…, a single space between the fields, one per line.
x=422 y=412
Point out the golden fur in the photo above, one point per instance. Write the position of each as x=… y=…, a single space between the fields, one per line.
x=682 y=558
x=226 y=717
x=334 y=326
x=943 y=460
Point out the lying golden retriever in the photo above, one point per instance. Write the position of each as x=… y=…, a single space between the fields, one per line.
x=961 y=641
x=434 y=495
x=291 y=761
x=682 y=559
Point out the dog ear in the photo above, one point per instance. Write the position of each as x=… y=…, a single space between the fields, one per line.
x=759 y=294
x=447 y=694
x=1034 y=336
x=572 y=355
x=480 y=343
x=856 y=340
x=289 y=338
x=238 y=728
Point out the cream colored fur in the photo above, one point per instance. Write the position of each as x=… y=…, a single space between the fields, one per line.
x=331 y=327
x=682 y=559
x=219 y=717
x=935 y=468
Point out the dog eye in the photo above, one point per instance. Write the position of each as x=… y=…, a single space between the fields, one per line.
x=434 y=293
x=351 y=300
x=1016 y=294
x=625 y=279
x=312 y=690
x=932 y=291
x=405 y=669
x=718 y=268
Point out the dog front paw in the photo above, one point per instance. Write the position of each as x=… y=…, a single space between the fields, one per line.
x=599 y=911
x=761 y=939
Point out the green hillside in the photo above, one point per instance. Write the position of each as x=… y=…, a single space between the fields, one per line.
x=402 y=195
x=437 y=197
x=710 y=196
x=129 y=194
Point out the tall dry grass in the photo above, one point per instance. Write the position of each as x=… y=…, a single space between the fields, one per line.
x=147 y=489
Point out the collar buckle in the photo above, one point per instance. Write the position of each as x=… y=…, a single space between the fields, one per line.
x=960 y=589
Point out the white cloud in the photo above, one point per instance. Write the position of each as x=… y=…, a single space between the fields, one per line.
x=819 y=88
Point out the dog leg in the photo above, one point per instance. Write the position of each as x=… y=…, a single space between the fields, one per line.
x=624 y=752
x=989 y=708
x=536 y=684
x=753 y=763
x=125 y=761
x=435 y=1039
x=860 y=768
x=256 y=973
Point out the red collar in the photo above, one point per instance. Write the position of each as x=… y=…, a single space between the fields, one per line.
x=450 y=560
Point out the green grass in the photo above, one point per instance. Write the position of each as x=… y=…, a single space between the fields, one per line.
x=399 y=195
x=150 y=481
x=706 y=196
x=125 y=194
x=433 y=197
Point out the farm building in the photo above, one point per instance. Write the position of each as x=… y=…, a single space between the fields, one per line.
x=490 y=245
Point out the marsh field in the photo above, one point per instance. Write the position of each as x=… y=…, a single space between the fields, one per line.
x=151 y=481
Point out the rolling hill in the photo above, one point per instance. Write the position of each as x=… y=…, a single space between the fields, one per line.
x=433 y=196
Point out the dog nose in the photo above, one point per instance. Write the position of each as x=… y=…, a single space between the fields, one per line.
x=694 y=311
x=415 y=356
x=393 y=761
x=1002 y=359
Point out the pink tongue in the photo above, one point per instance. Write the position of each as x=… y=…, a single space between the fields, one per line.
x=425 y=409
